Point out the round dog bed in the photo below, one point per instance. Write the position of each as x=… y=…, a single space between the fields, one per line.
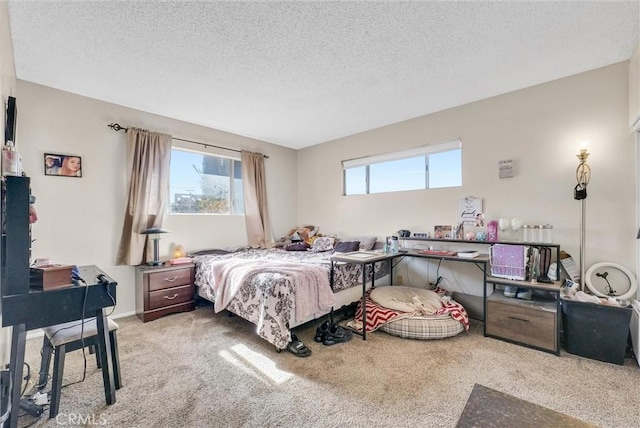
x=423 y=327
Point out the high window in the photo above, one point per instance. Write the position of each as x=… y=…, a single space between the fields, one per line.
x=205 y=184
x=427 y=167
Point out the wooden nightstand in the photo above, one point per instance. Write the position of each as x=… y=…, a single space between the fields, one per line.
x=164 y=290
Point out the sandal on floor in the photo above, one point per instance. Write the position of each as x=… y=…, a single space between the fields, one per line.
x=297 y=348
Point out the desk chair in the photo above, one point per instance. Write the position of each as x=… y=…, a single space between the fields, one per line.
x=64 y=338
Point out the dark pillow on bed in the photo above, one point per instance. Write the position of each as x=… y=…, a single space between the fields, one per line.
x=209 y=252
x=347 y=246
x=298 y=246
x=366 y=242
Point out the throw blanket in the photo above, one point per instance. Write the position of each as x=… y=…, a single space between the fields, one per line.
x=310 y=282
x=378 y=315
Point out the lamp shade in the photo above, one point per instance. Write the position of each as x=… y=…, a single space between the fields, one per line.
x=154 y=230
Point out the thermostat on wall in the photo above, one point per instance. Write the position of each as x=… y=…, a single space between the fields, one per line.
x=505 y=168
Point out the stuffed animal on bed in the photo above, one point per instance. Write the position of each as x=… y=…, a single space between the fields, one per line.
x=299 y=234
x=305 y=233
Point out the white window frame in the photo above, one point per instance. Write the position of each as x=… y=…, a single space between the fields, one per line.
x=405 y=154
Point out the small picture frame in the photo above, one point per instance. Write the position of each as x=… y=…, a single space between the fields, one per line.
x=62 y=165
x=443 y=232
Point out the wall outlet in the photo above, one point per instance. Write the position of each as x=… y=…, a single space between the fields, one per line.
x=399 y=280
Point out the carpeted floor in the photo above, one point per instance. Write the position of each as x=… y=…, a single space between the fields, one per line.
x=201 y=369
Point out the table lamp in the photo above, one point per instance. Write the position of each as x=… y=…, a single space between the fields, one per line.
x=155 y=237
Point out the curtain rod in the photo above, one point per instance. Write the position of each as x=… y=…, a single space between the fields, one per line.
x=117 y=127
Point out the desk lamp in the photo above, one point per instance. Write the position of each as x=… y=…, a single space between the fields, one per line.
x=155 y=237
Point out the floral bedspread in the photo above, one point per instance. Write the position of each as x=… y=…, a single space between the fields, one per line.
x=267 y=299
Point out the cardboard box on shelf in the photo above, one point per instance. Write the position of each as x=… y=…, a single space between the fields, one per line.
x=50 y=277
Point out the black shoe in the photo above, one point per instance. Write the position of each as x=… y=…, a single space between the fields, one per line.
x=320 y=331
x=336 y=334
x=297 y=348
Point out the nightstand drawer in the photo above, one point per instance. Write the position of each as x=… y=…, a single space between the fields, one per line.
x=521 y=324
x=170 y=296
x=168 y=279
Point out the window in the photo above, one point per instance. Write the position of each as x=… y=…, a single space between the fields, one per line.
x=427 y=167
x=205 y=184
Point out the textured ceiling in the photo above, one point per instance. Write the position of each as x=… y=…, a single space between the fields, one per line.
x=302 y=73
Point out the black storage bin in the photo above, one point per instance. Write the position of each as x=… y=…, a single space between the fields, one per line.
x=596 y=331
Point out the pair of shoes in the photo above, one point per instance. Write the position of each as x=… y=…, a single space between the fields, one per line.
x=297 y=348
x=524 y=293
x=336 y=334
x=320 y=331
x=510 y=291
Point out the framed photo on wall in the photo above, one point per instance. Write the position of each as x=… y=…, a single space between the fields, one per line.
x=62 y=165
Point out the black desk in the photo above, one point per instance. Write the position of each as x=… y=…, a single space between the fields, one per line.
x=481 y=261
x=370 y=258
x=365 y=258
x=38 y=309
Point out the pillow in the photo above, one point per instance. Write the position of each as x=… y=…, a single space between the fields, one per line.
x=366 y=242
x=298 y=246
x=214 y=251
x=346 y=246
x=322 y=243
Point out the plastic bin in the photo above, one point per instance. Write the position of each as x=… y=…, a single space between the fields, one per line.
x=596 y=331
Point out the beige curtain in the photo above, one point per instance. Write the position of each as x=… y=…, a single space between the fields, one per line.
x=254 y=188
x=148 y=159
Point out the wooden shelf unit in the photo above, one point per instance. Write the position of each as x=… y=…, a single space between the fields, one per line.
x=533 y=323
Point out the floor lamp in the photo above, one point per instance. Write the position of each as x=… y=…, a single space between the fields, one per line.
x=583 y=175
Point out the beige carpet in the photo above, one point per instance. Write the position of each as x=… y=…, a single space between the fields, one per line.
x=201 y=369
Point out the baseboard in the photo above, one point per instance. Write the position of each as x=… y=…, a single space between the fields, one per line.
x=126 y=314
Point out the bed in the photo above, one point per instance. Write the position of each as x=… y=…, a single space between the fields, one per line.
x=278 y=290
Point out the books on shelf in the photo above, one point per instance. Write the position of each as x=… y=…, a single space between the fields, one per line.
x=468 y=254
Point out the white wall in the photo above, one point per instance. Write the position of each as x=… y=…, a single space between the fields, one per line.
x=80 y=219
x=540 y=128
x=634 y=88
x=7 y=87
x=634 y=123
